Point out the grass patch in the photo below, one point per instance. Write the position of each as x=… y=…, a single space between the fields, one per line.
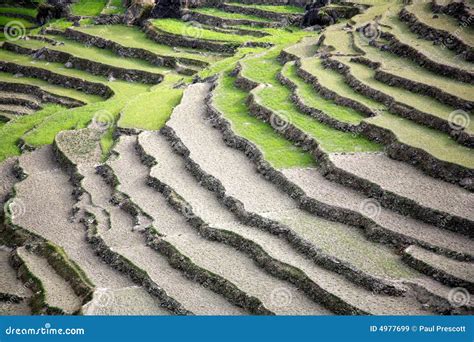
x=228 y=15
x=12 y=131
x=285 y=9
x=340 y=40
x=152 y=109
x=59 y=24
x=88 y=7
x=230 y=101
x=434 y=142
x=335 y=82
x=347 y=244
x=198 y=31
x=114 y=7
x=4 y=21
x=19 y=10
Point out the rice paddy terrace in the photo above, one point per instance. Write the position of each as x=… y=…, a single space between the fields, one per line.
x=232 y=162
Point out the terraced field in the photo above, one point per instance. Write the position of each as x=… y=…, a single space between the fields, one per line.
x=229 y=161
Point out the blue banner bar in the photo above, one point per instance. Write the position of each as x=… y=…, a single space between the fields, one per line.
x=238 y=329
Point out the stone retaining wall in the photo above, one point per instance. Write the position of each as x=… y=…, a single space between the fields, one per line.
x=218 y=21
x=288 y=19
x=434 y=167
x=162 y=37
x=456 y=9
x=38 y=303
x=91 y=40
x=57 y=79
x=436 y=273
x=399 y=108
x=43 y=95
x=92 y=67
x=445 y=38
x=406 y=51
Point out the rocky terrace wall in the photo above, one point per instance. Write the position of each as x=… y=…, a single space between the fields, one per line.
x=456 y=9
x=434 y=167
x=449 y=40
x=92 y=67
x=90 y=40
x=402 y=109
x=294 y=19
x=177 y=40
x=217 y=21
x=406 y=51
x=57 y=79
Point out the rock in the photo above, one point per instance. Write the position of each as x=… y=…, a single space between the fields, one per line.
x=186 y=17
x=68 y=65
x=313 y=28
x=138 y=11
x=167 y=9
x=53 y=9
